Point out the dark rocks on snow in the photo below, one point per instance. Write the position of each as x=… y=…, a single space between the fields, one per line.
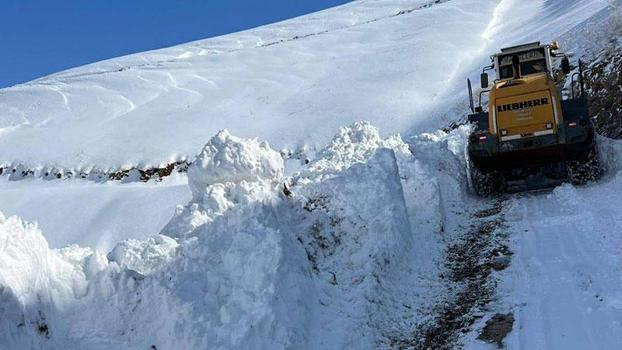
x=497 y=328
x=470 y=263
x=603 y=82
x=286 y=191
x=43 y=329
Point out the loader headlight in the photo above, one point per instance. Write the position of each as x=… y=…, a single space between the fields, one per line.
x=504 y=132
x=549 y=125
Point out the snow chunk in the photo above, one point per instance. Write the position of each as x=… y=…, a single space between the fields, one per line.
x=84 y=259
x=229 y=171
x=144 y=256
x=610 y=152
x=28 y=267
x=353 y=144
x=227 y=158
x=566 y=196
x=35 y=282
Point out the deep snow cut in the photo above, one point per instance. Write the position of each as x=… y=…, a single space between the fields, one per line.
x=242 y=265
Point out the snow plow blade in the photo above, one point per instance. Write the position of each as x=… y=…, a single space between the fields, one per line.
x=532 y=183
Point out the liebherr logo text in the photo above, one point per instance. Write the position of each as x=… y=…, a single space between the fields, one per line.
x=522 y=105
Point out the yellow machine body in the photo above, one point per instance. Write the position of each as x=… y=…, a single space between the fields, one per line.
x=529 y=138
x=526 y=107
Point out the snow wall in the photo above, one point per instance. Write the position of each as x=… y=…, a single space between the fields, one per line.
x=255 y=260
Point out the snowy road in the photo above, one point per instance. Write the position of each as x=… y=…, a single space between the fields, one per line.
x=565 y=281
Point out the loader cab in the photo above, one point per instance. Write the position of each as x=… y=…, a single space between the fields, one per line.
x=524 y=102
x=526 y=85
x=525 y=106
x=523 y=61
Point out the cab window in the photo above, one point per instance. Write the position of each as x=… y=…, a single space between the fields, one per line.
x=531 y=62
x=532 y=67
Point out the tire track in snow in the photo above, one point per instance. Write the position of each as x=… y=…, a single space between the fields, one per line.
x=563 y=283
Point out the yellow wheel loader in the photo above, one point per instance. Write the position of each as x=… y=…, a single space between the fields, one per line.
x=530 y=138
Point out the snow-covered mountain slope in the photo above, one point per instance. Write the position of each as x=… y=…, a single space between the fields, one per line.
x=376 y=243
x=395 y=63
x=276 y=82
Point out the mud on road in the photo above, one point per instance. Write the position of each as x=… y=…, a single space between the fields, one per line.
x=470 y=261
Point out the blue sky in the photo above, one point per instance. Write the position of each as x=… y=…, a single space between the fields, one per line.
x=39 y=37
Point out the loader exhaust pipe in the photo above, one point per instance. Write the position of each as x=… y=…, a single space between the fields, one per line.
x=516 y=67
x=471 y=104
x=581 y=79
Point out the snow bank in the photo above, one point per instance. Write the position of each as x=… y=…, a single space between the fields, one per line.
x=610 y=152
x=244 y=264
x=376 y=222
x=355 y=230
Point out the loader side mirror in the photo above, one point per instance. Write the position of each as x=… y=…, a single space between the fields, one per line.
x=484 y=80
x=565 y=65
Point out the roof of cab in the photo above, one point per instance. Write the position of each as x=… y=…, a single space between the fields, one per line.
x=523 y=47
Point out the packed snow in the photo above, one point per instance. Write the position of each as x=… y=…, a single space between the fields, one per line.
x=296 y=225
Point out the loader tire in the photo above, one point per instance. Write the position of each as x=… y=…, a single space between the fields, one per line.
x=485 y=184
x=583 y=171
